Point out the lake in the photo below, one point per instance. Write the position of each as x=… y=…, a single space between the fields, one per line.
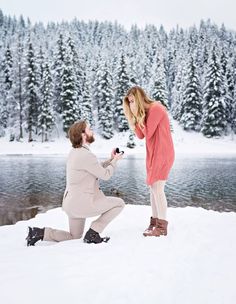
x=32 y=184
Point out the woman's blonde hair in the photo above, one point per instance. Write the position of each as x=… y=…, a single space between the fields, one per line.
x=140 y=98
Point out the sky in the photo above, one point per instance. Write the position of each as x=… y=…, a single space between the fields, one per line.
x=169 y=13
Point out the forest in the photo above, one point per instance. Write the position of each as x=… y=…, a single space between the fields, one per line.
x=52 y=75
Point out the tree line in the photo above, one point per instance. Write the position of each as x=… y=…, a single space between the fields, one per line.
x=54 y=75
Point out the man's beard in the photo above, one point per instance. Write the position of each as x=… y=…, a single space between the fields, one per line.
x=90 y=139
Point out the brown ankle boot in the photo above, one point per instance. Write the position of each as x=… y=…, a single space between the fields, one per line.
x=162 y=225
x=153 y=229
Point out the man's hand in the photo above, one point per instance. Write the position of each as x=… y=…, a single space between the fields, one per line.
x=113 y=153
x=118 y=156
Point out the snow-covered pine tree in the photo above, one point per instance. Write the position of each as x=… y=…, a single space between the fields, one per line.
x=146 y=71
x=68 y=96
x=214 y=121
x=122 y=86
x=1 y=18
x=192 y=98
x=86 y=107
x=59 y=62
x=178 y=90
x=7 y=85
x=131 y=143
x=159 y=86
x=17 y=114
x=233 y=122
x=170 y=64
x=105 y=101
x=40 y=64
x=228 y=82
x=79 y=71
x=31 y=97
x=46 y=117
x=192 y=39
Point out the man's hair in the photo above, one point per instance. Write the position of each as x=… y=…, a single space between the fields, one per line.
x=75 y=133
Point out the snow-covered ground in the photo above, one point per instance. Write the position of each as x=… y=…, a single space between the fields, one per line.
x=194 y=264
x=186 y=143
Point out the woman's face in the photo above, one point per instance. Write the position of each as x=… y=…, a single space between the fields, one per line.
x=132 y=104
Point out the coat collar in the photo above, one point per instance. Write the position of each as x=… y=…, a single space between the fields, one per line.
x=86 y=147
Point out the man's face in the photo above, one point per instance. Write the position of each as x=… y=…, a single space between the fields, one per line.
x=89 y=135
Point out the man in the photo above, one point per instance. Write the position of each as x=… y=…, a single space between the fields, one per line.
x=82 y=197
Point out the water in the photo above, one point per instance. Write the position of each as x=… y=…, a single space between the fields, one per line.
x=32 y=184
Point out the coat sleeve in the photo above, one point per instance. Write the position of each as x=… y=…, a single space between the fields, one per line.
x=94 y=167
x=106 y=163
x=154 y=118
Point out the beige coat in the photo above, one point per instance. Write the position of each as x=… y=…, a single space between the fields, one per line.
x=83 y=172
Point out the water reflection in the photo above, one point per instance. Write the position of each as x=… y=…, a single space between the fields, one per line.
x=31 y=184
x=9 y=217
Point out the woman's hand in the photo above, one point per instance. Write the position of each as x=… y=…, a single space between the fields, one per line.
x=133 y=108
x=132 y=122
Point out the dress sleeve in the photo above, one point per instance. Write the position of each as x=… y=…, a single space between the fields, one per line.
x=138 y=131
x=156 y=113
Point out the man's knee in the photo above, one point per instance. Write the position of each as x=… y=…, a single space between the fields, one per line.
x=121 y=203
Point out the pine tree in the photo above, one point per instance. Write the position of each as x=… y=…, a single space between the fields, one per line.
x=79 y=72
x=17 y=115
x=121 y=89
x=228 y=82
x=46 y=118
x=7 y=86
x=40 y=64
x=170 y=67
x=1 y=18
x=178 y=91
x=159 y=87
x=59 y=62
x=86 y=104
x=105 y=101
x=214 y=108
x=68 y=94
x=192 y=99
x=31 y=93
x=131 y=143
x=233 y=121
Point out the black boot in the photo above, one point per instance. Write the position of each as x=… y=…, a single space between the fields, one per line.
x=92 y=236
x=35 y=234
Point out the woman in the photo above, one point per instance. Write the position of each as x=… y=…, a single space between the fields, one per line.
x=149 y=119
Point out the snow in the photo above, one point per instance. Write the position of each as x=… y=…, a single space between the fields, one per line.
x=194 y=264
x=187 y=144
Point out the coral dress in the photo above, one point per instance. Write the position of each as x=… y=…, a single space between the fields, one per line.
x=159 y=144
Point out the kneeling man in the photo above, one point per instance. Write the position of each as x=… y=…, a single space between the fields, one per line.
x=82 y=197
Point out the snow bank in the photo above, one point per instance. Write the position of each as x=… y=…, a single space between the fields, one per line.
x=195 y=263
x=186 y=144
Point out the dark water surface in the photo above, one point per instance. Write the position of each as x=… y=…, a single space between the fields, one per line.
x=32 y=184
